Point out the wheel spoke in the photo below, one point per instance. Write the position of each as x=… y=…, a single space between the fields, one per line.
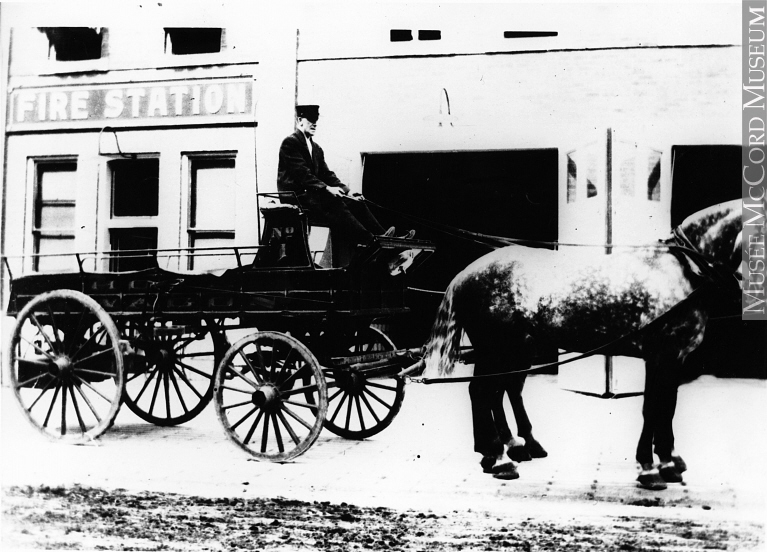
x=277 y=434
x=248 y=415
x=259 y=380
x=197 y=371
x=198 y=354
x=376 y=397
x=64 y=409
x=234 y=389
x=186 y=381
x=40 y=396
x=252 y=429
x=370 y=408
x=334 y=395
x=313 y=407
x=338 y=408
x=296 y=418
x=50 y=408
x=53 y=325
x=242 y=377
x=265 y=434
x=172 y=377
x=284 y=369
x=235 y=405
x=152 y=372
x=88 y=402
x=312 y=387
x=77 y=329
x=89 y=386
x=379 y=386
x=39 y=350
x=93 y=337
x=287 y=425
x=77 y=408
x=42 y=331
x=166 y=381
x=349 y=412
x=93 y=355
x=359 y=412
x=30 y=380
x=156 y=389
x=293 y=376
x=95 y=372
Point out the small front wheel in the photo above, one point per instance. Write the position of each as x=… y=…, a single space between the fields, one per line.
x=271 y=396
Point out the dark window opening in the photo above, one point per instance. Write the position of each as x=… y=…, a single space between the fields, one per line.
x=129 y=249
x=135 y=187
x=512 y=193
x=74 y=43
x=400 y=35
x=181 y=41
x=528 y=34
x=429 y=35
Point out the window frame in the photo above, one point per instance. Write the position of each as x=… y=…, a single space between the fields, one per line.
x=38 y=232
x=193 y=232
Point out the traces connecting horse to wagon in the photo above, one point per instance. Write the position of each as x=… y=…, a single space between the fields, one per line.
x=649 y=301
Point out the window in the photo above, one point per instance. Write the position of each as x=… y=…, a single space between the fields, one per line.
x=74 y=43
x=528 y=34
x=400 y=35
x=135 y=187
x=132 y=247
x=181 y=41
x=212 y=206
x=429 y=35
x=54 y=216
x=135 y=194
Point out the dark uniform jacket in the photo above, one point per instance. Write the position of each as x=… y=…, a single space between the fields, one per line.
x=299 y=171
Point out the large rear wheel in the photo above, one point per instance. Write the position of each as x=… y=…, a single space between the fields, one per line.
x=66 y=366
x=271 y=396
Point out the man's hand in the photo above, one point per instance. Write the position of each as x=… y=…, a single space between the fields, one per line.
x=336 y=191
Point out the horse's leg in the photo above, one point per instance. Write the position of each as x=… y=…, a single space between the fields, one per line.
x=532 y=448
x=649 y=476
x=671 y=464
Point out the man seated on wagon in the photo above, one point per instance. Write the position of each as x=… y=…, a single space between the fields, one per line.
x=303 y=170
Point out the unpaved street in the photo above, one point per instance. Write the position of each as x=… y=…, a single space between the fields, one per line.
x=415 y=486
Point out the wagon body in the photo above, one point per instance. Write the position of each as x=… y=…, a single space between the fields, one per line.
x=160 y=341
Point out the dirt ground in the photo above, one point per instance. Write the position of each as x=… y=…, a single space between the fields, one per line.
x=83 y=518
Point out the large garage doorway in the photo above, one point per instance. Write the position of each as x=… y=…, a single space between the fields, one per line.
x=703 y=176
x=509 y=193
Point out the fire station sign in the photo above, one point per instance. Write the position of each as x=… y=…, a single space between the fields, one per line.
x=210 y=101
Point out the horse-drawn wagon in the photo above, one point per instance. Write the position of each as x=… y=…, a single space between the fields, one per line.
x=158 y=340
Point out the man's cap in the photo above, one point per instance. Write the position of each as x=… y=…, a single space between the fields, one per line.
x=311 y=112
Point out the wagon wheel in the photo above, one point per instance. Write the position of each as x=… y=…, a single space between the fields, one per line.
x=66 y=366
x=172 y=379
x=261 y=386
x=359 y=407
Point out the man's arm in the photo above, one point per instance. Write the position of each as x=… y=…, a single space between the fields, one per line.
x=325 y=174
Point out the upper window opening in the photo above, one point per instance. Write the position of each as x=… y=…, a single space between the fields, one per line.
x=400 y=35
x=528 y=34
x=135 y=187
x=181 y=41
x=429 y=35
x=74 y=43
x=54 y=220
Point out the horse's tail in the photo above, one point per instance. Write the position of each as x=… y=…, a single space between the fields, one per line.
x=443 y=345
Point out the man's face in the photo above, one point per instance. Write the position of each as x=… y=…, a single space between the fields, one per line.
x=306 y=126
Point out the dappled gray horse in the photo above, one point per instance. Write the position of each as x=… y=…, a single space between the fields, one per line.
x=519 y=300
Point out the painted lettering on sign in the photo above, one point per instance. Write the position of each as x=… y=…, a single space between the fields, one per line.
x=133 y=102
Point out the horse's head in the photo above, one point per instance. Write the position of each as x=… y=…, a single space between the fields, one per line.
x=716 y=234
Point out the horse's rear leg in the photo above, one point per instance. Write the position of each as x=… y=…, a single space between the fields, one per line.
x=531 y=448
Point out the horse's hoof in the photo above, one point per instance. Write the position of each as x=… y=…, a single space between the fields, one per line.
x=535 y=449
x=681 y=465
x=506 y=471
x=519 y=453
x=670 y=473
x=487 y=463
x=651 y=480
